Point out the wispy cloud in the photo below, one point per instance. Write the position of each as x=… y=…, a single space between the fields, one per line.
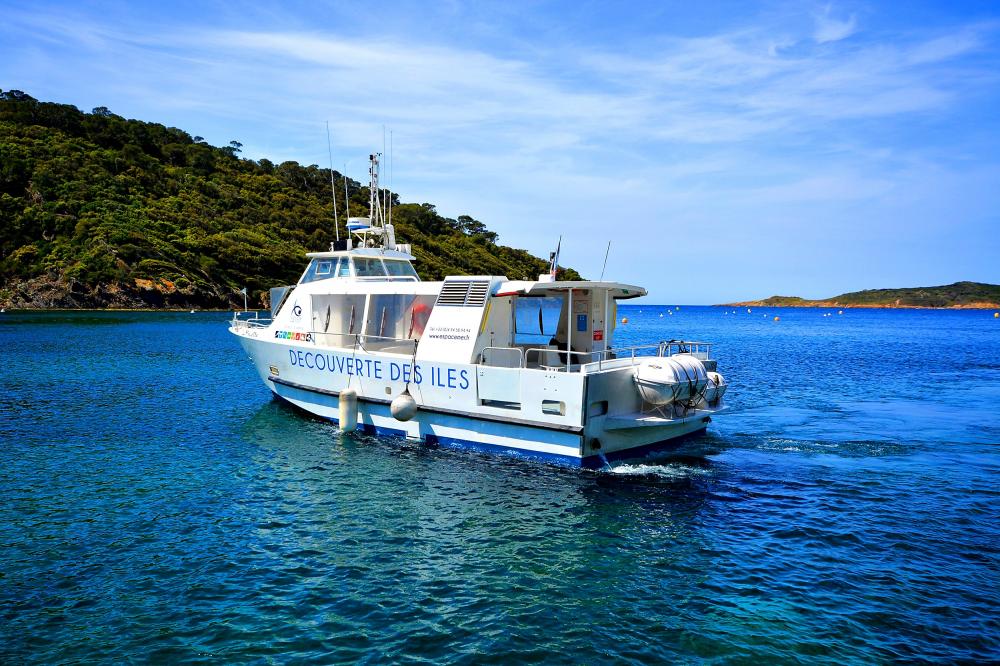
x=831 y=29
x=757 y=122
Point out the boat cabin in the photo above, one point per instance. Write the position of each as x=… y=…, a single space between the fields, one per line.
x=360 y=265
x=373 y=298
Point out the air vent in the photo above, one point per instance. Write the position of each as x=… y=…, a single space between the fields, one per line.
x=453 y=293
x=468 y=293
x=478 y=291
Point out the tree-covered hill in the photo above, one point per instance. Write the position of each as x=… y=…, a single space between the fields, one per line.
x=100 y=211
x=957 y=295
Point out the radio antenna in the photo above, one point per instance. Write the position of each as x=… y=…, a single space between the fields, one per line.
x=333 y=191
x=392 y=177
x=385 y=191
x=347 y=202
x=606 y=252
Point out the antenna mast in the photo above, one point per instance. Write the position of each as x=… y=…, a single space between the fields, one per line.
x=374 y=196
x=554 y=259
x=333 y=191
x=347 y=202
x=392 y=176
x=385 y=194
x=375 y=204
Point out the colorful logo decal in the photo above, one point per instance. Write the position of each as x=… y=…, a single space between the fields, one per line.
x=289 y=335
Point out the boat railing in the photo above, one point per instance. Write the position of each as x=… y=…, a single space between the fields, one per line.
x=700 y=350
x=552 y=358
x=382 y=343
x=363 y=341
x=249 y=319
x=493 y=356
x=387 y=278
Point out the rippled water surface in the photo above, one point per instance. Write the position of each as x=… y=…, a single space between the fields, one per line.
x=158 y=505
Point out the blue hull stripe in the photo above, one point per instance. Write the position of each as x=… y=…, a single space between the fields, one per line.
x=588 y=462
x=433 y=410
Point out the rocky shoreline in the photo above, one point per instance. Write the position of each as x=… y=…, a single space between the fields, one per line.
x=870 y=306
x=60 y=293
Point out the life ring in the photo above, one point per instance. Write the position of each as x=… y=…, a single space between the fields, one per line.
x=418 y=318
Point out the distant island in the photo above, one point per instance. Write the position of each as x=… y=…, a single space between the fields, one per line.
x=958 y=295
x=99 y=211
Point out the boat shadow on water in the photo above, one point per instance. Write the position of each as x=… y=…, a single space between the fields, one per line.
x=685 y=468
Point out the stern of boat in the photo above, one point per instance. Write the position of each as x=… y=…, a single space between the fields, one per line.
x=638 y=406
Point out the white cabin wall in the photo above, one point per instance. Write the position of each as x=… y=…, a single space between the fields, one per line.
x=581 y=327
x=588 y=315
x=453 y=331
x=497 y=330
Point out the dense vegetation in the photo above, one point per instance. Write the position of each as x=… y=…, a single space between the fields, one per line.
x=960 y=294
x=97 y=211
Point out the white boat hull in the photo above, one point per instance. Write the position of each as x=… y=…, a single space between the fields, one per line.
x=451 y=412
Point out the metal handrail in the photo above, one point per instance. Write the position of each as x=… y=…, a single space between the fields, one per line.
x=663 y=348
x=561 y=352
x=255 y=321
x=368 y=339
x=387 y=278
x=520 y=353
x=360 y=340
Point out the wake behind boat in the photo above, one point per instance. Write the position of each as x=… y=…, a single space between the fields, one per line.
x=465 y=362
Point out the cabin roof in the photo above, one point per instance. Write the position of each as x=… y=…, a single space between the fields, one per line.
x=617 y=290
x=363 y=252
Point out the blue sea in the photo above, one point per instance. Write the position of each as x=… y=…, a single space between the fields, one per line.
x=156 y=505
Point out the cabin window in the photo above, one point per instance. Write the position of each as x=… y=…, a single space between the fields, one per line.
x=365 y=267
x=502 y=404
x=554 y=407
x=398 y=316
x=344 y=269
x=400 y=268
x=536 y=320
x=417 y=315
x=386 y=315
x=321 y=269
x=337 y=318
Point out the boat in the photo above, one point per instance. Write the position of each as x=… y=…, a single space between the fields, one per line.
x=517 y=367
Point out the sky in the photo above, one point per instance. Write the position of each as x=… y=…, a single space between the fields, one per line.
x=727 y=150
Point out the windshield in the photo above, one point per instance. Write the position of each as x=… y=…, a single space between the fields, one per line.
x=364 y=267
x=319 y=269
x=400 y=268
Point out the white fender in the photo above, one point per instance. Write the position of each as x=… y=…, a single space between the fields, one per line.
x=348 y=409
x=403 y=407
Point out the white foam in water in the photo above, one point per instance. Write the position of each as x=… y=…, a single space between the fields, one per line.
x=666 y=470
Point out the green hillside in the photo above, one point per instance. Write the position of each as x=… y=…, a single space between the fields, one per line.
x=957 y=295
x=100 y=211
